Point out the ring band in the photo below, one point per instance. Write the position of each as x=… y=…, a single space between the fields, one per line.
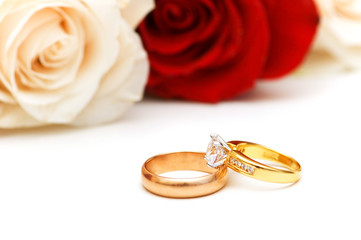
x=243 y=157
x=242 y=160
x=182 y=187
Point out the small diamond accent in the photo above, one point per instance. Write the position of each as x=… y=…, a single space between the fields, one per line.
x=244 y=167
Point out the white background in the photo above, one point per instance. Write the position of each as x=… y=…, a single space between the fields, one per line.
x=84 y=183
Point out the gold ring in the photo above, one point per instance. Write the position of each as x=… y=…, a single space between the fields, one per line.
x=182 y=187
x=245 y=158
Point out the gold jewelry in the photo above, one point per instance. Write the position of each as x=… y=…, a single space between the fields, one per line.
x=243 y=157
x=182 y=187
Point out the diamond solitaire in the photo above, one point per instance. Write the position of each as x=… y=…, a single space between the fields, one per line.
x=217 y=151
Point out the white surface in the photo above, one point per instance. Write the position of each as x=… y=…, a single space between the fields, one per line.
x=68 y=183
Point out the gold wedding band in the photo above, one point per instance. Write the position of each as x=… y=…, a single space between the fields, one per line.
x=241 y=156
x=182 y=187
x=245 y=158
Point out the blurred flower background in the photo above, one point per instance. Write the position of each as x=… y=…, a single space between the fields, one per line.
x=84 y=62
x=338 y=42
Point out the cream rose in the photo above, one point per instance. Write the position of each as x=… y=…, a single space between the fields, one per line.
x=340 y=31
x=76 y=62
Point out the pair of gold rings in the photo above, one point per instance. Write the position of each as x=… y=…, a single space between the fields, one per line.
x=243 y=157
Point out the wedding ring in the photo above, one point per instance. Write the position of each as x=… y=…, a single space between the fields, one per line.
x=241 y=156
x=182 y=187
x=245 y=158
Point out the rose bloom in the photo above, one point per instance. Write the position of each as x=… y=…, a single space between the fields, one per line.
x=209 y=51
x=340 y=31
x=76 y=62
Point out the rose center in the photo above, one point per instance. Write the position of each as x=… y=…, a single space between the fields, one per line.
x=50 y=52
x=54 y=55
x=178 y=17
x=174 y=12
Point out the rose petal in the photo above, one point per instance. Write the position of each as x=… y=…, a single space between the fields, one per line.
x=48 y=72
x=201 y=52
x=164 y=36
x=122 y=86
x=347 y=56
x=339 y=34
x=135 y=10
x=12 y=116
x=233 y=60
x=5 y=96
x=293 y=26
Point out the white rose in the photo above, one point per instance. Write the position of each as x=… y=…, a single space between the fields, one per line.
x=76 y=62
x=340 y=31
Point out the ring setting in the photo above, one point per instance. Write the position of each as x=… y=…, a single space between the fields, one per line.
x=217 y=151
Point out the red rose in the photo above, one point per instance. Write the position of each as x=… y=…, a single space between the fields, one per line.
x=293 y=25
x=205 y=50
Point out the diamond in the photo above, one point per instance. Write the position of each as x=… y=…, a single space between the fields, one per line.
x=217 y=151
x=243 y=166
